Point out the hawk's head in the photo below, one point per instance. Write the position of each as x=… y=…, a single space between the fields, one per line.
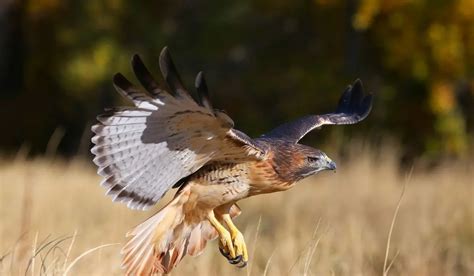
x=311 y=161
x=294 y=162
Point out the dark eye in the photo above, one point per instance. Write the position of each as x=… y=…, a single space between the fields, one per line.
x=312 y=159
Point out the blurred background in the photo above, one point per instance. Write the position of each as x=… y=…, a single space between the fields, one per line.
x=266 y=62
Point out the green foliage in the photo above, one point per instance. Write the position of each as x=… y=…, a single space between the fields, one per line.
x=266 y=62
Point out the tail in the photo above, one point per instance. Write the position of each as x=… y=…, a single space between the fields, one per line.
x=158 y=244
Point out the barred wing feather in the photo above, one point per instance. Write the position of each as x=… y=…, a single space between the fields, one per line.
x=142 y=151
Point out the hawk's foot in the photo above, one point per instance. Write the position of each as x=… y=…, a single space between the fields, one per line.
x=238 y=241
x=226 y=245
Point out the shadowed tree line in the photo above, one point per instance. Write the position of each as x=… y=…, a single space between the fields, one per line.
x=266 y=62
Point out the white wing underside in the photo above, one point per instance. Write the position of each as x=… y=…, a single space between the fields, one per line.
x=143 y=151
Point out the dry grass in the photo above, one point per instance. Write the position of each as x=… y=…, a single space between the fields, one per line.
x=331 y=224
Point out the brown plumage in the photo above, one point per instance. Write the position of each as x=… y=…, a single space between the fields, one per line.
x=169 y=140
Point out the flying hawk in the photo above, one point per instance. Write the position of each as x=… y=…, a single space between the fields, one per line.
x=169 y=140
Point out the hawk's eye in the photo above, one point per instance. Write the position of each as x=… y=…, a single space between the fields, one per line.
x=312 y=159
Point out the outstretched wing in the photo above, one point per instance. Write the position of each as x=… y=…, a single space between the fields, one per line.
x=142 y=151
x=353 y=107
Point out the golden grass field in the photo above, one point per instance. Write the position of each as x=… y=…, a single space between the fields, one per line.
x=53 y=212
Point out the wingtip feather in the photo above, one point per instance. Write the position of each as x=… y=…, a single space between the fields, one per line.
x=199 y=79
x=121 y=82
x=170 y=74
x=164 y=61
x=135 y=56
x=202 y=91
x=145 y=77
x=358 y=82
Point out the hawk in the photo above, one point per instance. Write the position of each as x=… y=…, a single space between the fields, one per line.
x=170 y=140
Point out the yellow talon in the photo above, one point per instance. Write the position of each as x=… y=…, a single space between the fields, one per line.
x=237 y=240
x=225 y=242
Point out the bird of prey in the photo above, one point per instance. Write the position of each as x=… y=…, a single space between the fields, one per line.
x=169 y=140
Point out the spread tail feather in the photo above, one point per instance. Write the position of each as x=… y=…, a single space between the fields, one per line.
x=158 y=244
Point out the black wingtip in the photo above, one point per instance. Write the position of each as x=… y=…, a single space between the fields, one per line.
x=199 y=80
x=361 y=103
x=135 y=57
x=144 y=76
x=117 y=76
x=170 y=74
x=137 y=65
x=202 y=90
x=165 y=61
x=357 y=93
x=345 y=99
x=358 y=86
x=201 y=85
x=123 y=86
x=120 y=81
x=358 y=82
x=164 y=51
x=354 y=101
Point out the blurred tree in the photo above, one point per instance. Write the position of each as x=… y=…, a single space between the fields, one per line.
x=266 y=62
x=428 y=44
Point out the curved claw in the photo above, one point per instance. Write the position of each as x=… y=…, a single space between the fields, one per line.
x=236 y=260
x=224 y=253
x=227 y=255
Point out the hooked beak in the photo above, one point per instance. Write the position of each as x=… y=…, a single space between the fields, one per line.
x=331 y=165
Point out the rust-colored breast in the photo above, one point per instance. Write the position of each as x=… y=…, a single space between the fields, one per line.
x=265 y=179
